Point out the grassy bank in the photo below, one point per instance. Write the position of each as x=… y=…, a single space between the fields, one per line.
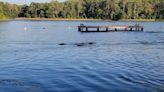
x=4 y=18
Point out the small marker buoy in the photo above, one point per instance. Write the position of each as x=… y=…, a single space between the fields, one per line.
x=69 y=27
x=25 y=28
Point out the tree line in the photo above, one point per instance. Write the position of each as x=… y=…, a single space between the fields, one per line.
x=89 y=9
x=9 y=10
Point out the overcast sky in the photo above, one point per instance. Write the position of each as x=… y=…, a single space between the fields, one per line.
x=26 y=1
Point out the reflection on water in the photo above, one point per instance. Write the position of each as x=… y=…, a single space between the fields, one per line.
x=52 y=56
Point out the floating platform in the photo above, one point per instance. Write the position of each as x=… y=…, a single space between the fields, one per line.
x=83 y=28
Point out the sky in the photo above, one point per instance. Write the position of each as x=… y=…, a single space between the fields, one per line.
x=21 y=2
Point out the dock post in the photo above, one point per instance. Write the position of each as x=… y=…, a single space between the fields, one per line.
x=125 y=29
x=131 y=29
x=142 y=29
x=79 y=28
x=86 y=29
x=115 y=29
x=98 y=29
x=106 y=28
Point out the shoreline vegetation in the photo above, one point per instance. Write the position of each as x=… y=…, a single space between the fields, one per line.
x=81 y=19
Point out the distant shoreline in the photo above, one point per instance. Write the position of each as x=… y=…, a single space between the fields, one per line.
x=59 y=19
x=72 y=19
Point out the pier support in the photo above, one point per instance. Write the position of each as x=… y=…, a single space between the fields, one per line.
x=106 y=29
x=86 y=29
x=79 y=28
x=125 y=29
x=98 y=29
x=142 y=29
x=131 y=29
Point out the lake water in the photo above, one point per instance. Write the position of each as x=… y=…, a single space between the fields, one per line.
x=43 y=56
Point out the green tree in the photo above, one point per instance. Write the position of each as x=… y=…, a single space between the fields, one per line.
x=98 y=9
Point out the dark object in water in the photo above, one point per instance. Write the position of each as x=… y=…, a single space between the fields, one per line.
x=81 y=24
x=91 y=43
x=144 y=42
x=80 y=44
x=62 y=44
x=84 y=44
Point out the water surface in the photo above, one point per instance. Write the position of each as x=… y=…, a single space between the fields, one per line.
x=32 y=58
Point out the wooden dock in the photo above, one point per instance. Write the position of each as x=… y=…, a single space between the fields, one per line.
x=83 y=28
